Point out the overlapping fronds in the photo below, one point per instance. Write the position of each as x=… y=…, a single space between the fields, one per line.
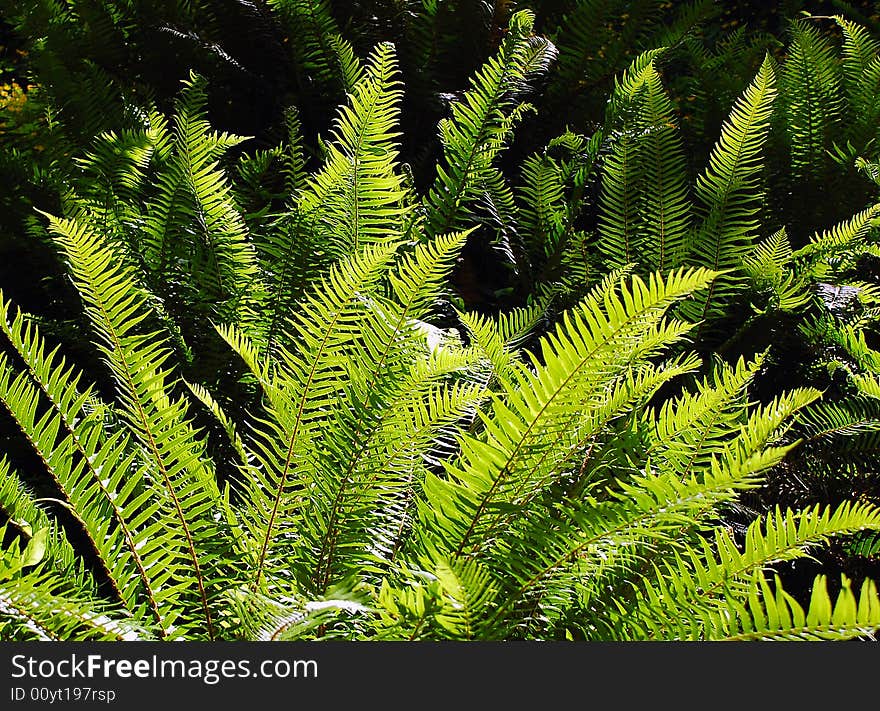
x=299 y=430
x=193 y=223
x=184 y=478
x=838 y=248
x=350 y=415
x=324 y=56
x=357 y=197
x=45 y=591
x=590 y=366
x=690 y=431
x=836 y=435
x=769 y=269
x=98 y=475
x=552 y=196
x=596 y=37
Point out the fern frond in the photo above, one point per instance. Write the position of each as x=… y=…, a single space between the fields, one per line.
x=36 y=606
x=303 y=389
x=837 y=248
x=769 y=271
x=325 y=57
x=497 y=339
x=188 y=533
x=539 y=416
x=691 y=430
x=97 y=474
x=811 y=87
x=194 y=220
x=481 y=123
x=357 y=196
x=861 y=70
x=729 y=192
x=644 y=202
x=718 y=579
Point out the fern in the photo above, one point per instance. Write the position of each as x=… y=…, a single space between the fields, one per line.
x=321 y=52
x=709 y=589
x=728 y=192
x=481 y=123
x=646 y=211
x=861 y=70
x=298 y=430
x=187 y=534
x=810 y=85
x=222 y=258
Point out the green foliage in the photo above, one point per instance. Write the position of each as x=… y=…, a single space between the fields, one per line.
x=521 y=380
x=543 y=473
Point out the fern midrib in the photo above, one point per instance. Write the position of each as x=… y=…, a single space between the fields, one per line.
x=275 y=303
x=842 y=429
x=591 y=434
x=26 y=613
x=537 y=418
x=210 y=245
x=120 y=519
x=627 y=226
x=570 y=553
x=157 y=455
x=357 y=148
x=168 y=221
x=807 y=76
x=715 y=415
x=661 y=184
x=261 y=561
x=353 y=462
x=666 y=438
x=658 y=119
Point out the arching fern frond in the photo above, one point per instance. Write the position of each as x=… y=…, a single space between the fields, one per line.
x=542 y=414
x=836 y=249
x=138 y=362
x=722 y=582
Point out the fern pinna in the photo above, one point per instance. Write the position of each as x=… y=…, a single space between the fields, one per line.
x=298 y=431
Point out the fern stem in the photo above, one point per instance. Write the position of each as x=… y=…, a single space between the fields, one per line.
x=157 y=456
x=484 y=502
x=261 y=561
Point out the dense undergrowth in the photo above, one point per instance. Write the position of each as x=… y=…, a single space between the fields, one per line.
x=439 y=320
